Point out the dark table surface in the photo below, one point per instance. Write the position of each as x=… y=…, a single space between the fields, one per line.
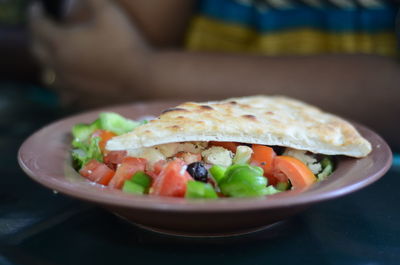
x=38 y=226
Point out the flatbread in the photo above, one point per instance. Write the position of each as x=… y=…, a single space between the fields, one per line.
x=267 y=120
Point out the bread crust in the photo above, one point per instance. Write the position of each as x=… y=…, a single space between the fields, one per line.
x=267 y=120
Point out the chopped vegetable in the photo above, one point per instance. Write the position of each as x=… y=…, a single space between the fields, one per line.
x=282 y=186
x=116 y=123
x=128 y=167
x=82 y=132
x=104 y=137
x=243 y=155
x=217 y=155
x=197 y=189
x=299 y=174
x=138 y=184
x=327 y=168
x=89 y=140
x=156 y=169
x=217 y=172
x=131 y=187
x=257 y=170
x=113 y=158
x=243 y=181
x=307 y=158
x=97 y=172
x=171 y=180
x=141 y=179
x=277 y=178
x=269 y=190
x=263 y=156
x=87 y=152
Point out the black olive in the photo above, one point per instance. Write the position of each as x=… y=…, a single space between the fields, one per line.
x=198 y=171
x=278 y=149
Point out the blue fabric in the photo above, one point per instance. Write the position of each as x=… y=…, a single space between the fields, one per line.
x=328 y=18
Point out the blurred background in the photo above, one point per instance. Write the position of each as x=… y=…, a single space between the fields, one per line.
x=16 y=62
x=281 y=27
x=38 y=45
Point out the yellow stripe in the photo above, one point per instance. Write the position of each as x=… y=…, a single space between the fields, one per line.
x=211 y=35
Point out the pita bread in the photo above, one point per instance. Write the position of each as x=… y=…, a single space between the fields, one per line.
x=267 y=120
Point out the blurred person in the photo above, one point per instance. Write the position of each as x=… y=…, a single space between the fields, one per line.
x=16 y=63
x=339 y=55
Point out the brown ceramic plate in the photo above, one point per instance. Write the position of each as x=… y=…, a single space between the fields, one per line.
x=45 y=157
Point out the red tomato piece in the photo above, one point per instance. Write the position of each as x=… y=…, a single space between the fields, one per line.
x=104 y=136
x=297 y=172
x=227 y=145
x=276 y=178
x=156 y=169
x=263 y=156
x=128 y=167
x=97 y=172
x=113 y=158
x=172 y=180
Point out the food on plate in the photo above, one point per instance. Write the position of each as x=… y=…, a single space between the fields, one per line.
x=239 y=147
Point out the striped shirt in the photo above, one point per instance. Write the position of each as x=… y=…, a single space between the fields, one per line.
x=288 y=27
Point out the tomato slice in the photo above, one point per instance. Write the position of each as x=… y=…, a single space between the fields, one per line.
x=104 y=136
x=227 y=145
x=263 y=156
x=276 y=178
x=156 y=169
x=296 y=171
x=97 y=172
x=128 y=167
x=113 y=158
x=172 y=180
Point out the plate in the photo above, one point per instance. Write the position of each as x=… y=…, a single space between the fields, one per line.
x=45 y=157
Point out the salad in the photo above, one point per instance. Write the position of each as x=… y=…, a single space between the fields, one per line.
x=191 y=169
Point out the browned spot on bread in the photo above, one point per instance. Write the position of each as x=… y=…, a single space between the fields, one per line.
x=147 y=131
x=232 y=102
x=250 y=117
x=206 y=107
x=175 y=127
x=180 y=117
x=269 y=112
x=174 y=109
